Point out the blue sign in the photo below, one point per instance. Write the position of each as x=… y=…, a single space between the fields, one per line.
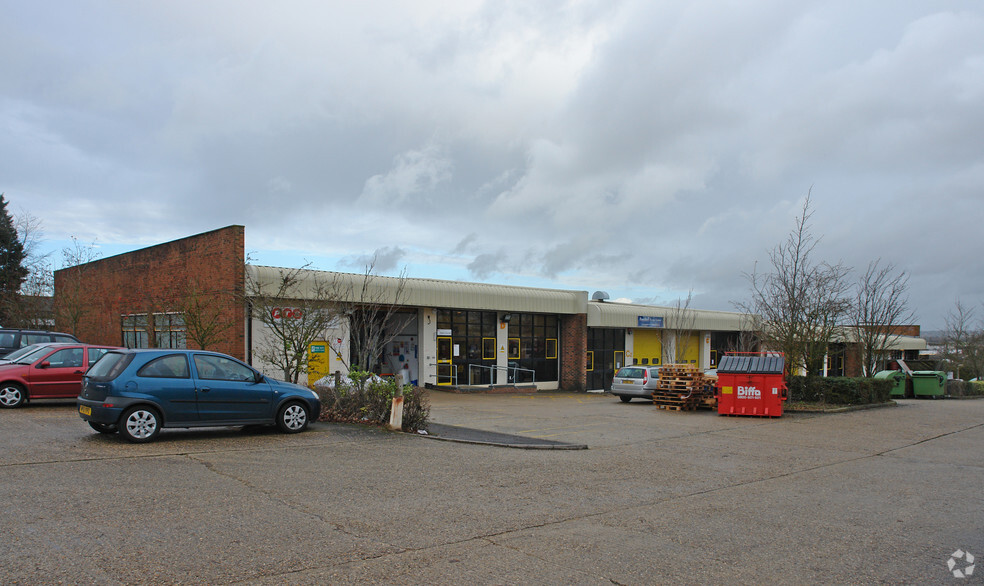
x=649 y=321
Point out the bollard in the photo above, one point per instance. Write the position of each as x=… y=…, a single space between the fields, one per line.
x=396 y=414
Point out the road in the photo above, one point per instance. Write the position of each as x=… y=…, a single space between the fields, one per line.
x=878 y=496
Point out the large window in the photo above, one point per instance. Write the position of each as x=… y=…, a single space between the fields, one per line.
x=533 y=347
x=471 y=347
x=168 y=330
x=606 y=353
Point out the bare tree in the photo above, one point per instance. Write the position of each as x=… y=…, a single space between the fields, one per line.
x=963 y=342
x=297 y=308
x=801 y=301
x=206 y=322
x=682 y=320
x=880 y=307
x=73 y=298
x=826 y=305
x=374 y=319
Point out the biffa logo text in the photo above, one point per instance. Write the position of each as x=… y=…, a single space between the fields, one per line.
x=749 y=393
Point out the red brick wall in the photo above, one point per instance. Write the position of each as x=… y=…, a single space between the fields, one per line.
x=573 y=352
x=156 y=279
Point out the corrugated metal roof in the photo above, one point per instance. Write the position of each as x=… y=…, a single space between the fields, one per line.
x=743 y=364
x=606 y=314
x=426 y=292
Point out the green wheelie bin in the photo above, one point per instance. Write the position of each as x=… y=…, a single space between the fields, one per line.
x=928 y=383
x=898 y=382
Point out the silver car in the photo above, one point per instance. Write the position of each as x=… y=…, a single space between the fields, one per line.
x=636 y=381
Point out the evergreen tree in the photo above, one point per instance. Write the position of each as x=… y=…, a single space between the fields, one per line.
x=12 y=269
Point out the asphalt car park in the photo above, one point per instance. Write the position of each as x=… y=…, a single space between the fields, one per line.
x=880 y=496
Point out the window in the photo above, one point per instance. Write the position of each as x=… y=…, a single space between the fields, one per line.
x=66 y=358
x=218 y=368
x=473 y=336
x=172 y=366
x=168 y=329
x=96 y=354
x=514 y=344
x=590 y=360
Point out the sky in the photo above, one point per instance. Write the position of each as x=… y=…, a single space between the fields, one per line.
x=649 y=149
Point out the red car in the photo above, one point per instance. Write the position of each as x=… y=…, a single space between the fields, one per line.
x=53 y=371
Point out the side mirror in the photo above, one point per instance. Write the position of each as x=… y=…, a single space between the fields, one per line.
x=257 y=377
x=44 y=364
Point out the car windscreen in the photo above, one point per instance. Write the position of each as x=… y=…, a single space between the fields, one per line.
x=23 y=352
x=109 y=366
x=631 y=372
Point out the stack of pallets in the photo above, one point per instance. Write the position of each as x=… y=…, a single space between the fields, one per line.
x=682 y=387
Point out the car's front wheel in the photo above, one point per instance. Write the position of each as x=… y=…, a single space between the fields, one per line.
x=103 y=427
x=292 y=418
x=11 y=395
x=624 y=399
x=140 y=424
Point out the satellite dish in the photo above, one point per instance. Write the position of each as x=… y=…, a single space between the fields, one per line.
x=599 y=296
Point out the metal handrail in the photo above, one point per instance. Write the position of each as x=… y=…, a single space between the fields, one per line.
x=454 y=371
x=505 y=368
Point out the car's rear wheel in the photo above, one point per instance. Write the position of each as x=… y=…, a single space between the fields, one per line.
x=140 y=424
x=624 y=399
x=104 y=427
x=12 y=395
x=292 y=418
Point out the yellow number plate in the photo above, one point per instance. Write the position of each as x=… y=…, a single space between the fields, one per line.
x=628 y=382
x=85 y=410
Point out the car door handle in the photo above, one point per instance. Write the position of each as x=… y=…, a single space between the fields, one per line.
x=206 y=389
x=79 y=372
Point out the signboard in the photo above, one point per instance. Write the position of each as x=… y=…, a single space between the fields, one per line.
x=443 y=332
x=649 y=321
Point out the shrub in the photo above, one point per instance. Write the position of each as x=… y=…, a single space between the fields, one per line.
x=838 y=390
x=960 y=388
x=367 y=398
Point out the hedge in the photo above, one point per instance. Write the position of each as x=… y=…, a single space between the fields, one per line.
x=960 y=388
x=838 y=390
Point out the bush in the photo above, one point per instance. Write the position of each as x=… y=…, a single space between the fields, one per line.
x=366 y=398
x=960 y=388
x=838 y=390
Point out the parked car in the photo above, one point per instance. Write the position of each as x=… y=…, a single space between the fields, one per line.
x=138 y=392
x=53 y=371
x=22 y=352
x=636 y=381
x=11 y=340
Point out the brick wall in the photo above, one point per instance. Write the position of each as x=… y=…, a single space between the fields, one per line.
x=573 y=352
x=153 y=280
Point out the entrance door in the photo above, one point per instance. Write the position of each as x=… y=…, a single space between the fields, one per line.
x=445 y=354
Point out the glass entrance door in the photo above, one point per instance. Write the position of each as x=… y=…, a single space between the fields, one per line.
x=445 y=368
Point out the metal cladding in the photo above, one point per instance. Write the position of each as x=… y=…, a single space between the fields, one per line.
x=752 y=364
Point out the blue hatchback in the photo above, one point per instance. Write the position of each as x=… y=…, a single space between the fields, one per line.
x=138 y=392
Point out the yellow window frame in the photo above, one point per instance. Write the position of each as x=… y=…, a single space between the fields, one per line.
x=519 y=352
x=551 y=345
x=590 y=361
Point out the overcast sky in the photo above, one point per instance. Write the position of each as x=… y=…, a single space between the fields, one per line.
x=644 y=148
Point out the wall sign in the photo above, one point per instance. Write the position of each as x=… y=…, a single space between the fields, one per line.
x=649 y=321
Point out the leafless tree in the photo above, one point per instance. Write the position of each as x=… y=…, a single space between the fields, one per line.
x=372 y=303
x=880 y=306
x=72 y=298
x=682 y=320
x=296 y=309
x=963 y=342
x=206 y=322
x=801 y=301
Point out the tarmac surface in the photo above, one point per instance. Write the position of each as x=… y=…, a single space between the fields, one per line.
x=878 y=496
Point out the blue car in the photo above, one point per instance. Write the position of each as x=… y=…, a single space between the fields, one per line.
x=138 y=392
